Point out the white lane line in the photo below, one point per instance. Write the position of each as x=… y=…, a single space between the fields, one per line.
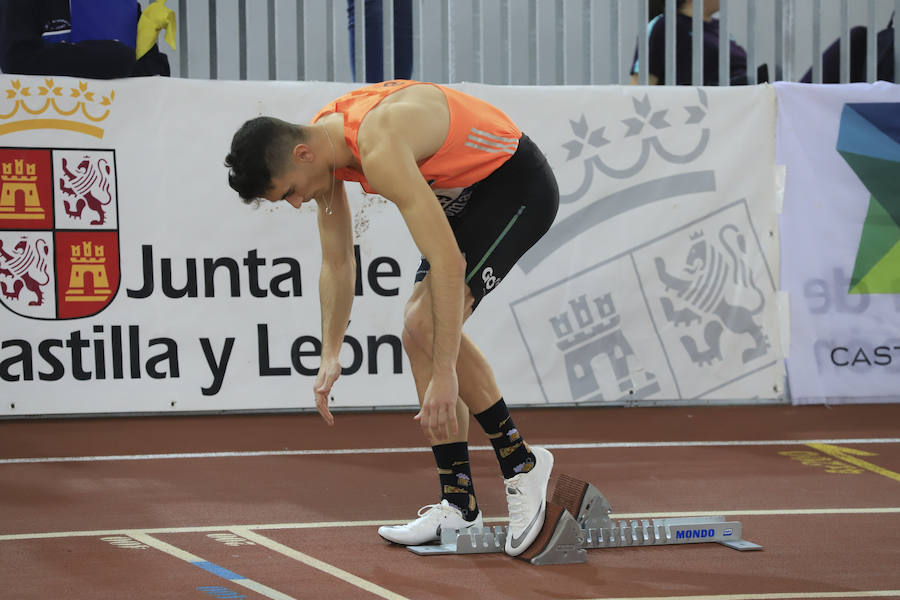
x=195 y=560
x=774 y=596
x=340 y=451
x=308 y=560
x=775 y=512
x=198 y=529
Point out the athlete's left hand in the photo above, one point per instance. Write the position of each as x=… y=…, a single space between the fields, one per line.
x=329 y=371
x=438 y=414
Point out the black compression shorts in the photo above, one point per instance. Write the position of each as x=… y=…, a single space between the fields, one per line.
x=498 y=219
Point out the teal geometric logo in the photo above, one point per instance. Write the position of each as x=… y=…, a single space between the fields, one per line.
x=869 y=140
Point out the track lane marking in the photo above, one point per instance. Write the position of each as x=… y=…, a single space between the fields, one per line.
x=209 y=567
x=773 y=596
x=342 y=451
x=851 y=456
x=886 y=510
x=315 y=563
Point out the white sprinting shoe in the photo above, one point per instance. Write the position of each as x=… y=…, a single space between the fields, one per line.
x=526 y=495
x=427 y=528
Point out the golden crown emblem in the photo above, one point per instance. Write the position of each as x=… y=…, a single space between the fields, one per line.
x=51 y=106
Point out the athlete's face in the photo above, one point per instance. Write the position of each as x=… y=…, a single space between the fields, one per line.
x=305 y=178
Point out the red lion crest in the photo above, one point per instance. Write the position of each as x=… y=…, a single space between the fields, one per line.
x=26 y=267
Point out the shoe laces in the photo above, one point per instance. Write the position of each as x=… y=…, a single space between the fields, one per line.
x=428 y=508
x=515 y=501
x=430 y=511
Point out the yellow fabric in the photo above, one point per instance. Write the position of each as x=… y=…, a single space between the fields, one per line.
x=156 y=17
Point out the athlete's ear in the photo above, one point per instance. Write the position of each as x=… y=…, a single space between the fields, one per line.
x=302 y=153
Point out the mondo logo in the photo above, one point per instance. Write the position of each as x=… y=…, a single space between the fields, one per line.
x=59 y=237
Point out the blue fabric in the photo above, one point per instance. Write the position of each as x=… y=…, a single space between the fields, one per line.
x=104 y=20
x=403 y=46
x=871 y=129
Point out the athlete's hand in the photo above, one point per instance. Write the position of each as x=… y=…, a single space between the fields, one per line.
x=438 y=414
x=329 y=371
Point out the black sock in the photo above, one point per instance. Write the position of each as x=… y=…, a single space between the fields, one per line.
x=456 y=477
x=511 y=450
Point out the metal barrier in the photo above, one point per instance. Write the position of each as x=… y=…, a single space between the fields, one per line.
x=518 y=42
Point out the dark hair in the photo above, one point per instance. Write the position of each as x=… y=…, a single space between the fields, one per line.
x=658 y=7
x=260 y=150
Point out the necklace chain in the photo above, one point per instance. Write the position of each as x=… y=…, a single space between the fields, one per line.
x=328 y=209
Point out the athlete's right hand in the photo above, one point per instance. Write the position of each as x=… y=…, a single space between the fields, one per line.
x=438 y=413
x=329 y=371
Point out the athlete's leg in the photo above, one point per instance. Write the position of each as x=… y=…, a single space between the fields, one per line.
x=477 y=386
x=451 y=455
x=458 y=508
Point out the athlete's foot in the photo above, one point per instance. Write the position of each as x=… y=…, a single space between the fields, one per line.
x=526 y=495
x=427 y=528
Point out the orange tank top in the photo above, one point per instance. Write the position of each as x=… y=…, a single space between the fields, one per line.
x=480 y=139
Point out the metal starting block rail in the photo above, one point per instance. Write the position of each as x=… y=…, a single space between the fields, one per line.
x=565 y=539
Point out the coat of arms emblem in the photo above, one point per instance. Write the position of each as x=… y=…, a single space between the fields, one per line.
x=59 y=238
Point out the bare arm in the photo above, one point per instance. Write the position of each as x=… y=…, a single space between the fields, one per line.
x=399 y=180
x=389 y=162
x=336 y=288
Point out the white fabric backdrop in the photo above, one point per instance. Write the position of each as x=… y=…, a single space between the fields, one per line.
x=656 y=284
x=844 y=346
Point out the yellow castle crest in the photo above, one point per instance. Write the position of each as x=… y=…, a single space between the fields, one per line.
x=50 y=106
x=17 y=177
x=88 y=258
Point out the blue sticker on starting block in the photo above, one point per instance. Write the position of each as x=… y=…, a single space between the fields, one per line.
x=728 y=531
x=217 y=570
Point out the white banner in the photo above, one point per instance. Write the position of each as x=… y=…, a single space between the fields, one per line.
x=841 y=239
x=134 y=279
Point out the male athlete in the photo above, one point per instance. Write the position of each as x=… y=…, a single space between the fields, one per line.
x=412 y=143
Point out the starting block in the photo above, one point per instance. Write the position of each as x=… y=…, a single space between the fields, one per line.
x=578 y=519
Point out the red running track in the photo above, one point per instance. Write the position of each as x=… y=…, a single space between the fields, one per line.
x=281 y=506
